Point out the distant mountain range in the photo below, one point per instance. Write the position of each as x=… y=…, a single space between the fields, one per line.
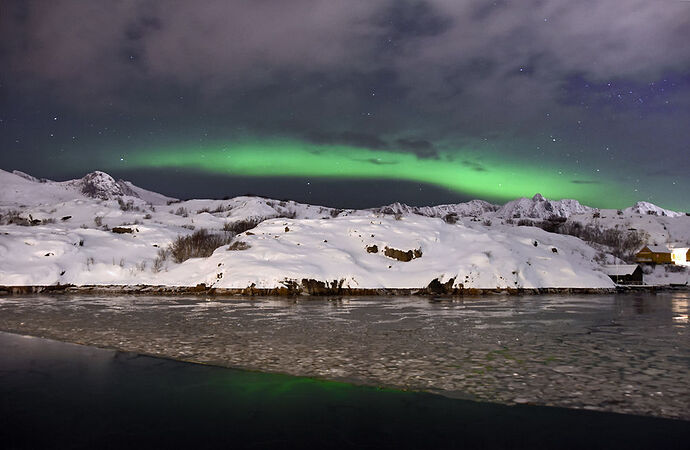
x=100 y=185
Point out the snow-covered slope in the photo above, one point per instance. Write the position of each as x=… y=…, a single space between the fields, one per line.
x=72 y=240
x=18 y=190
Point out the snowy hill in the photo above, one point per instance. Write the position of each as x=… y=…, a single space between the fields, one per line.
x=97 y=230
x=651 y=209
x=361 y=252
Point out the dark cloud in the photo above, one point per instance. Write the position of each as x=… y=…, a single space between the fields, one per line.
x=420 y=147
x=352 y=138
x=585 y=182
x=477 y=167
x=378 y=162
x=407 y=19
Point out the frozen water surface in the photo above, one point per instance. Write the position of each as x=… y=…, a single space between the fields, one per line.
x=621 y=353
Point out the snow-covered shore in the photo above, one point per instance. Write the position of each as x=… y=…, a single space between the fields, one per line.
x=62 y=233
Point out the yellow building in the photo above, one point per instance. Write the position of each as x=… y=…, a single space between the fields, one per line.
x=654 y=254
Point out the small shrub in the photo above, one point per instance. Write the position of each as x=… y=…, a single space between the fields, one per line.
x=525 y=223
x=13 y=217
x=128 y=206
x=287 y=214
x=451 y=218
x=487 y=223
x=98 y=220
x=221 y=209
x=148 y=216
x=181 y=211
x=200 y=244
x=159 y=262
x=240 y=226
x=239 y=245
x=675 y=269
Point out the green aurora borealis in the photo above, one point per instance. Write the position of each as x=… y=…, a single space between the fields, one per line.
x=496 y=180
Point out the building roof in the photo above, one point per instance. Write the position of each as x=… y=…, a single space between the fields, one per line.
x=620 y=269
x=657 y=248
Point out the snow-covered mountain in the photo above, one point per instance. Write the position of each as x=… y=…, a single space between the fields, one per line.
x=101 y=185
x=539 y=207
x=473 y=208
x=395 y=246
x=19 y=188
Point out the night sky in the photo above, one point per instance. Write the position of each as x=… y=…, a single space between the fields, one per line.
x=354 y=103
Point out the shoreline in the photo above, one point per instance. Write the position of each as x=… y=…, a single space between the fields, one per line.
x=318 y=289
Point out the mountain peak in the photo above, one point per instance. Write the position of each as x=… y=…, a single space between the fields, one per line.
x=99 y=184
x=538 y=198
